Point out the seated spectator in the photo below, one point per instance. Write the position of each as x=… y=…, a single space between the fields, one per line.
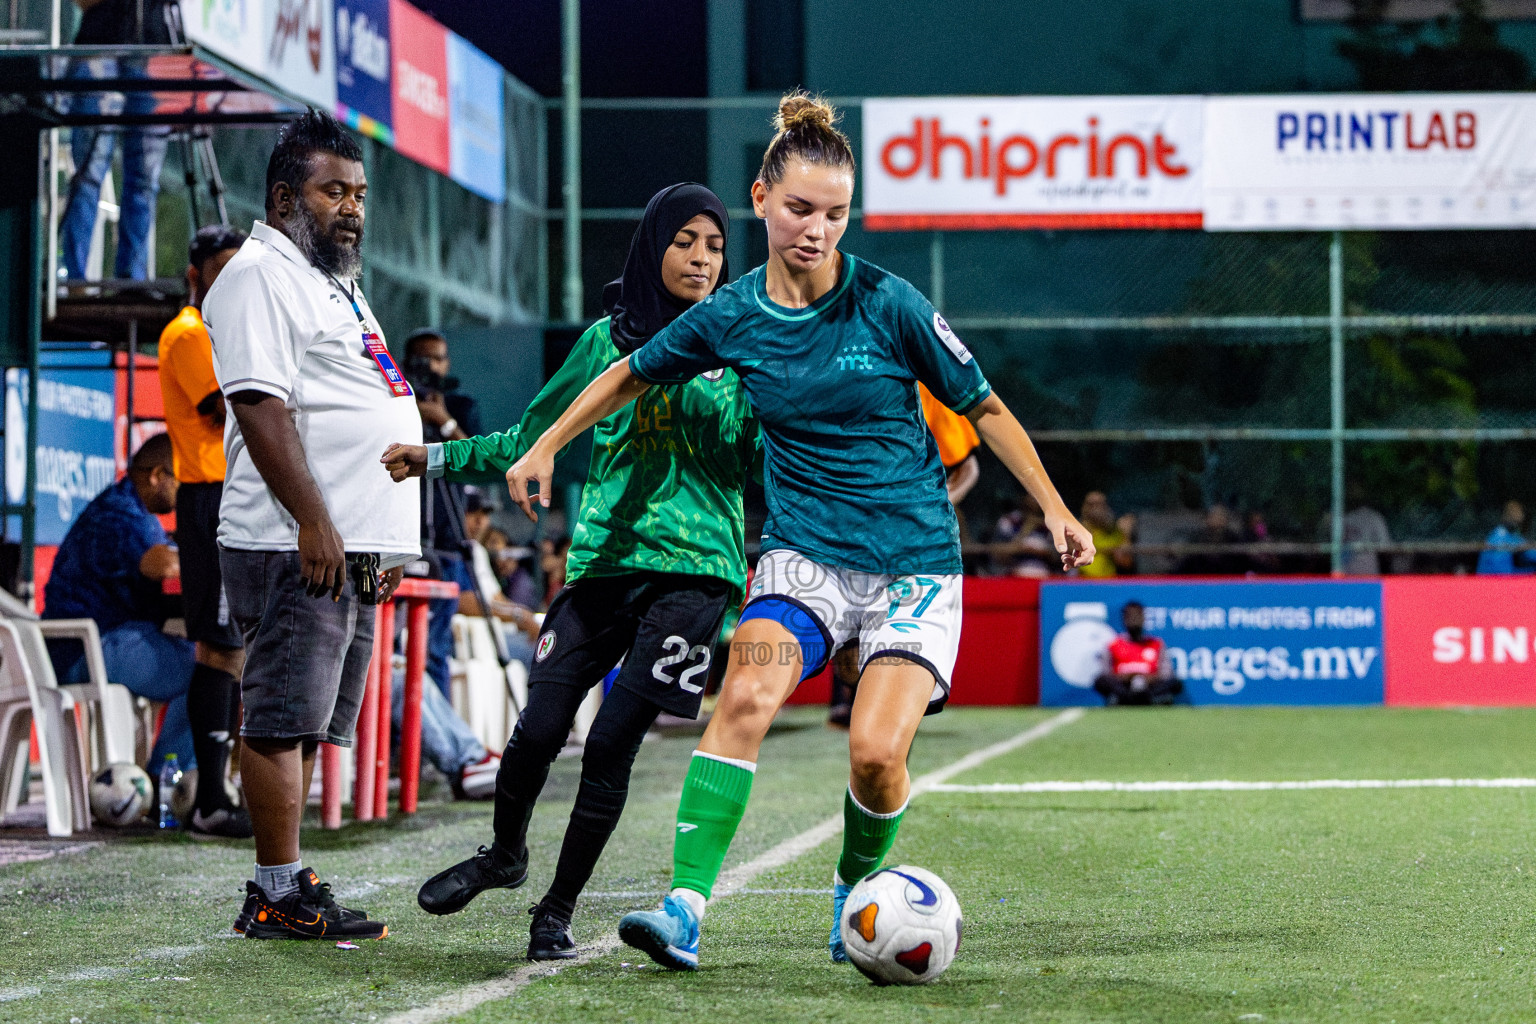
x=1111 y=538
x=524 y=628
x=1218 y=529
x=1256 y=531
x=1138 y=672
x=1502 y=558
x=552 y=555
x=448 y=744
x=1024 y=527
x=1363 y=525
x=110 y=568
x=516 y=581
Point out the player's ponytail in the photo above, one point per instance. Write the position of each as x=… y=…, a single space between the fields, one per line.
x=806 y=129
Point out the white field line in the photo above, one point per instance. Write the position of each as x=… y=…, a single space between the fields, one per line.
x=734 y=881
x=1232 y=785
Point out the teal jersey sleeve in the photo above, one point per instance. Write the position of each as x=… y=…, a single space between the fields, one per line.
x=936 y=355
x=684 y=348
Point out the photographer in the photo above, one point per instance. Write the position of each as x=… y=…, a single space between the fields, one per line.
x=446 y=415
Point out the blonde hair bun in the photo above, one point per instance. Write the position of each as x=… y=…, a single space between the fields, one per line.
x=801 y=109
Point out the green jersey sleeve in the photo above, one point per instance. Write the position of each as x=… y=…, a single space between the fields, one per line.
x=490 y=456
x=683 y=349
x=936 y=355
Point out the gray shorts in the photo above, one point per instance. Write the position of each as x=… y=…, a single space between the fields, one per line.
x=306 y=658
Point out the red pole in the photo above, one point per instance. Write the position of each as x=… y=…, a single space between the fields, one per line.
x=366 y=741
x=410 y=719
x=384 y=640
x=330 y=786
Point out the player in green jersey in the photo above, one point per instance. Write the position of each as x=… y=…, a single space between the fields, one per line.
x=860 y=540
x=656 y=559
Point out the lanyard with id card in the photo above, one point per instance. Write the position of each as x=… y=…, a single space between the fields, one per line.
x=374 y=348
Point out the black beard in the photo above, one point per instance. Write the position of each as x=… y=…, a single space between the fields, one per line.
x=323 y=251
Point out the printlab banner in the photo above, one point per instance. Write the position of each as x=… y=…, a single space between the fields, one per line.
x=1032 y=162
x=1458 y=160
x=1231 y=643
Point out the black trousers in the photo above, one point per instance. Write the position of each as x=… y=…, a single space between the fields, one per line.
x=610 y=751
x=663 y=626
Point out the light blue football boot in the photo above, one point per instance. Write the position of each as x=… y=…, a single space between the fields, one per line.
x=670 y=936
x=835 y=940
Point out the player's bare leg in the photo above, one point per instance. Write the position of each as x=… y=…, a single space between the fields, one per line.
x=892 y=697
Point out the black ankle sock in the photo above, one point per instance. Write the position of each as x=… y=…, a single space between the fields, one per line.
x=210 y=697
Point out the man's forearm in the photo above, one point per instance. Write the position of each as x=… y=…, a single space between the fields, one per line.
x=278 y=454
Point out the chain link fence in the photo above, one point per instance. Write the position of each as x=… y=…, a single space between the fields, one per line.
x=1290 y=378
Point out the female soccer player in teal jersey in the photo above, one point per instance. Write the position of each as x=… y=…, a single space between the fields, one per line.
x=860 y=540
x=656 y=559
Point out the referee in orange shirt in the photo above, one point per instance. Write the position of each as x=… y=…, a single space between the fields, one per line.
x=194 y=416
x=957 y=441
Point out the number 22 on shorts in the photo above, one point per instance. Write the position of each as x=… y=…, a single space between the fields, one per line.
x=680 y=652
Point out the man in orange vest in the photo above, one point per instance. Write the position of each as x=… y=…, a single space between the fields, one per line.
x=194 y=417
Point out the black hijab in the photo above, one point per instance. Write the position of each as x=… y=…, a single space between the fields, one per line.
x=638 y=301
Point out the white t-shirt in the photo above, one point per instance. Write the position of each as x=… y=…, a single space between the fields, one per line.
x=282 y=327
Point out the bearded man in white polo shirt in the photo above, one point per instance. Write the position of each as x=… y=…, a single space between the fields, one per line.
x=312 y=533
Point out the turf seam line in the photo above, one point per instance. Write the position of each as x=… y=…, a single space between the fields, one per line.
x=452 y=1004
x=1231 y=785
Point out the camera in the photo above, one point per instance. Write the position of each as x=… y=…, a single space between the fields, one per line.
x=424 y=380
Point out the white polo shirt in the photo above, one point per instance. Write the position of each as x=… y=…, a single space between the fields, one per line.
x=282 y=327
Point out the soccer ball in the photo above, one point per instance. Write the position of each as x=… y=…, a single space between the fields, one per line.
x=901 y=926
x=120 y=794
x=184 y=796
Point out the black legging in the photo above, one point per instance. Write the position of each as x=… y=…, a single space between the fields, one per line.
x=610 y=751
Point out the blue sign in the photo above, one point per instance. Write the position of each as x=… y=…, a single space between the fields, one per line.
x=363 y=91
x=76 y=420
x=476 y=121
x=1240 y=642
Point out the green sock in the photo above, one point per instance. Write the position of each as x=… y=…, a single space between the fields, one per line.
x=867 y=838
x=714 y=798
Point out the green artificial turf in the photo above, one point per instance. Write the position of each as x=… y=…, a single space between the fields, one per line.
x=1321 y=905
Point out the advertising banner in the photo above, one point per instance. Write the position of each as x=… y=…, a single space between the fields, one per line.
x=76 y=413
x=1243 y=642
x=1032 y=162
x=1416 y=160
x=1460 y=640
x=362 y=67
x=420 y=85
x=287 y=42
x=232 y=29
x=476 y=121
x=300 y=49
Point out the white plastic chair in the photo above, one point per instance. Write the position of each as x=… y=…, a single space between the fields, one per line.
x=24 y=665
x=114 y=723
x=115 y=715
x=480 y=686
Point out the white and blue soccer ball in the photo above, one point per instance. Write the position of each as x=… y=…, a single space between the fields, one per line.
x=120 y=794
x=901 y=926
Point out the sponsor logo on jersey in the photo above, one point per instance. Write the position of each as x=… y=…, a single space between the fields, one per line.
x=950 y=340
x=546 y=644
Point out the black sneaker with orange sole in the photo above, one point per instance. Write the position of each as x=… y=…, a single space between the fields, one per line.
x=308 y=913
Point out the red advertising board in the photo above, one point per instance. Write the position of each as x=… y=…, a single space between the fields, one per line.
x=998 y=662
x=420 y=89
x=1460 y=640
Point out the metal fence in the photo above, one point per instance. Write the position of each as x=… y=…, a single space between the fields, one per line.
x=1290 y=375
